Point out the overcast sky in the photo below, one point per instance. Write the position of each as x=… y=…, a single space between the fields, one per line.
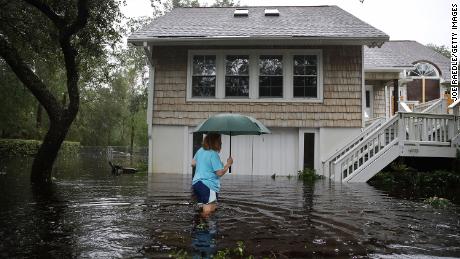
x=426 y=21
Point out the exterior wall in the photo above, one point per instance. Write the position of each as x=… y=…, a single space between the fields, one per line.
x=168 y=149
x=341 y=107
x=379 y=100
x=379 y=105
x=279 y=153
x=331 y=139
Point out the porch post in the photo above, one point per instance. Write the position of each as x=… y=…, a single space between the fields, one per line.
x=395 y=96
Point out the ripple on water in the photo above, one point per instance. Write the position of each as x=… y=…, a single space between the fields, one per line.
x=92 y=214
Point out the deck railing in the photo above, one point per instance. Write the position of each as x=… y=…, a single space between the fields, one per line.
x=402 y=129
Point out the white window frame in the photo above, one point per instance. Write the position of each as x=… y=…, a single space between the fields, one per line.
x=288 y=74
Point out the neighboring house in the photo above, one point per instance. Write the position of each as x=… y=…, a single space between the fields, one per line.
x=423 y=75
x=299 y=70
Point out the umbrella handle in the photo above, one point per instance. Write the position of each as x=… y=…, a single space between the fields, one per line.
x=230 y=168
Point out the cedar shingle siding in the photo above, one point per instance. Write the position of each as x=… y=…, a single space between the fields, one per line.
x=341 y=107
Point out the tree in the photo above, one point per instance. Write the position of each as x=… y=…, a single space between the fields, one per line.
x=48 y=33
x=441 y=49
x=225 y=3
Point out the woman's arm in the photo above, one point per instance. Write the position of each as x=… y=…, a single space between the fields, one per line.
x=222 y=171
x=193 y=162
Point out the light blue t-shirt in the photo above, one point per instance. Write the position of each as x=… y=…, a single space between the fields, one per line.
x=207 y=163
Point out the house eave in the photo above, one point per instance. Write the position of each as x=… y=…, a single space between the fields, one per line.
x=261 y=41
x=387 y=69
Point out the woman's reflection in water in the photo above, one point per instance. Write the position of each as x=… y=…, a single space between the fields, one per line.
x=204 y=233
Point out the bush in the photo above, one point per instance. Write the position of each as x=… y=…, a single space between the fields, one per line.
x=437 y=202
x=308 y=175
x=29 y=147
x=408 y=182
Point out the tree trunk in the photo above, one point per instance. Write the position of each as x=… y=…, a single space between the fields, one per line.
x=38 y=124
x=48 y=151
x=132 y=136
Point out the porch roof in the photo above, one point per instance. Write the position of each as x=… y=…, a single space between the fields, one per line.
x=300 y=24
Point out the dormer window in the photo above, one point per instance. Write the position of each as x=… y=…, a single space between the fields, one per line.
x=241 y=13
x=272 y=12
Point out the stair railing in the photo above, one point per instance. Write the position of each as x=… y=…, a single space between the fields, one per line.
x=339 y=152
x=377 y=141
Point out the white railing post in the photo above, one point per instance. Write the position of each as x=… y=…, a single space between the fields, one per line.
x=337 y=172
x=401 y=130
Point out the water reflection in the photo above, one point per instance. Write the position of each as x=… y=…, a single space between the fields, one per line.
x=204 y=234
x=50 y=224
x=90 y=213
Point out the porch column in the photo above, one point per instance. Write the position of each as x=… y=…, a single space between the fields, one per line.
x=395 y=96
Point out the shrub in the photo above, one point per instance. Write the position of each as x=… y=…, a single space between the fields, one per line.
x=308 y=175
x=437 y=202
x=29 y=147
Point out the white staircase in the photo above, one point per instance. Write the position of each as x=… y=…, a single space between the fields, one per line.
x=405 y=134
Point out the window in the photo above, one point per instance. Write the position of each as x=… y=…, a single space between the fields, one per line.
x=423 y=69
x=237 y=76
x=368 y=99
x=258 y=75
x=305 y=76
x=270 y=76
x=204 y=76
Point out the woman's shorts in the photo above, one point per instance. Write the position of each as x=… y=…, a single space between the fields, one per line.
x=203 y=194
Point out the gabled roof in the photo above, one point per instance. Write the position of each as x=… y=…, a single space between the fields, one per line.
x=320 y=23
x=403 y=54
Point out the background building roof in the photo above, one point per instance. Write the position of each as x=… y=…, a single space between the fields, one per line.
x=311 y=22
x=404 y=53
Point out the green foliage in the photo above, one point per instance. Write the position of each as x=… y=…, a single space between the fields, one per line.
x=25 y=147
x=225 y=3
x=181 y=254
x=441 y=49
x=407 y=182
x=113 y=95
x=308 y=175
x=222 y=254
x=185 y=3
x=437 y=202
x=239 y=250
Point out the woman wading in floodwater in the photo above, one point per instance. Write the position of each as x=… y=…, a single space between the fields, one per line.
x=209 y=168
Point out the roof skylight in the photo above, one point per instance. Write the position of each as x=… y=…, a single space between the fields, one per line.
x=272 y=12
x=241 y=13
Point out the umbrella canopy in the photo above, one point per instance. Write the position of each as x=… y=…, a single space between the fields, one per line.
x=232 y=124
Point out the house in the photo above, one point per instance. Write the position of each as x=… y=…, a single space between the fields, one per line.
x=423 y=75
x=299 y=70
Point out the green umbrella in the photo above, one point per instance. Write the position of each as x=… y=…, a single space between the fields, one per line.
x=232 y=124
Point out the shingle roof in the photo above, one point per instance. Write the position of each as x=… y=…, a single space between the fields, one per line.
x=320 y=22
x=404 y=54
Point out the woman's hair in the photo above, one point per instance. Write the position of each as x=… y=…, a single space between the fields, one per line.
x=212 y=141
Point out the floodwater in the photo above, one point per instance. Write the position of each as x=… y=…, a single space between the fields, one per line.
x=88 y=213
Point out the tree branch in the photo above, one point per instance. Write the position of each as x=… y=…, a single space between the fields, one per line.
x=70 y=55
x=46 y=9
x=30 y=79
x=82 y=18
